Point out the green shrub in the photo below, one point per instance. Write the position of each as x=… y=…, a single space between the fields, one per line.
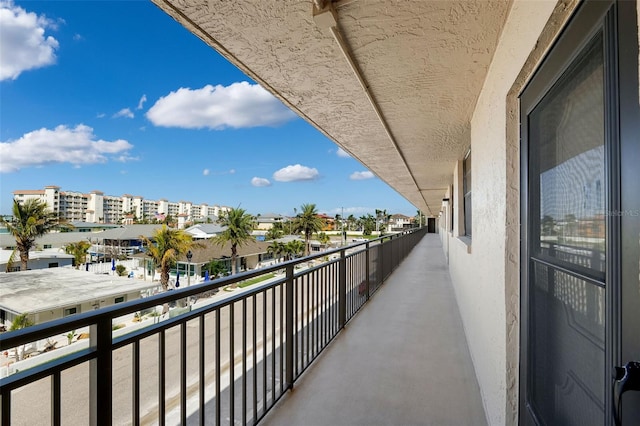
x=121 y=270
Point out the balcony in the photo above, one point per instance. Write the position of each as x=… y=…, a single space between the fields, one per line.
x=403 y=360
x=232 y=357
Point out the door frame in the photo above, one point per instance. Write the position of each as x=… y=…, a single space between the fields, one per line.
x=620 y=34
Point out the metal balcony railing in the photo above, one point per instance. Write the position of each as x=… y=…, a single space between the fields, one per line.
x=208 y=360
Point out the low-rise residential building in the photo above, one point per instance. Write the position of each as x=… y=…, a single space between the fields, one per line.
x=204 y=231
x=38 y=259
x=105 y=244
x=398 y=222
x=49 y=294
x=266 y=221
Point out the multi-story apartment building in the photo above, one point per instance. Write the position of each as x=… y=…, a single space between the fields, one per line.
x=96 y=207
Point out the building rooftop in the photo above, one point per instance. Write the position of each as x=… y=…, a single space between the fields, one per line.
x=5 y=255
x=205 y=228
x=38 y=290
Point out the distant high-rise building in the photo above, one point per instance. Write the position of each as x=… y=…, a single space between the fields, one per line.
x=95 y=207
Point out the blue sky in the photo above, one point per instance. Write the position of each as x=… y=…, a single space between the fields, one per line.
x=116 y=96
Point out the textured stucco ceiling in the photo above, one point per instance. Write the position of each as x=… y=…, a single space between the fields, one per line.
x=424 y=62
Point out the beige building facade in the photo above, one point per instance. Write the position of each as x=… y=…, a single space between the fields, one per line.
x=96 y=207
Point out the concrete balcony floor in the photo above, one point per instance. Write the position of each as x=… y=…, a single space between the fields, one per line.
x=402 y=360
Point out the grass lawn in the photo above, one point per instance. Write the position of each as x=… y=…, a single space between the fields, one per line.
x=255 y=280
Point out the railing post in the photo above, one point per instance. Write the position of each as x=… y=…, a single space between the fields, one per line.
x=289 y=327
x=342 y=290
x=101 y=373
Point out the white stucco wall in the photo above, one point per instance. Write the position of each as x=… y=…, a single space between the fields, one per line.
x=478 y=271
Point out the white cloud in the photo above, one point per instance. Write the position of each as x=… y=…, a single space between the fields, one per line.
x=206 y=172
x=101 y=115
x=342 y=153
x=258 y=181
x=218 y=107
x=141 y=102
x=232 y=171
x=75 y=146
x=361 y=175
x=356 y=211
x=126 y=158
x=296 y=173
x=77 y=37
x=124 y=112
x=23 y=44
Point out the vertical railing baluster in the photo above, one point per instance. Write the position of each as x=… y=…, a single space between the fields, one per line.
x=161 y=376
x=5 y=416
x=367 y=258
x=183 y=372
x=255 y=356
x=244 y=360
x=336 y=290
x=135 y=382
x=322 y=307
x=289 y=324
x=334 y=297
x=218 y=372
x=342 y=290
x=307 y=314
x=265 y=349
x=316 y=310
x=201 y=369
x=294 y=319
x=273 y=346
x=55 y=399
x=351 y=265
x=232 y=388
x=282 y=326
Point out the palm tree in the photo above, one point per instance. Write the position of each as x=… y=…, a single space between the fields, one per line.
x=351 y=220
x=215 y=268
x=239 y=225
x=31 y=220
x=274 y=233
x=383 y=220
x=165 y=246
x=368 y=224
x=294 y=248
x=276 y=248
x=79 y=251
x=308 y=222
x=19 y=322
x=323 y=238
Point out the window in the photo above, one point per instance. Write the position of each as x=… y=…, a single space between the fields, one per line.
x=451 y=210
x=466 y=189
x=70 y=311
x=119 y=299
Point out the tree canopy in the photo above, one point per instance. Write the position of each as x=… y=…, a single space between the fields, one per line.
x=165 y=246
x=79 y=251
x=239 y=225
x=308 y=222
x=31 y=220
